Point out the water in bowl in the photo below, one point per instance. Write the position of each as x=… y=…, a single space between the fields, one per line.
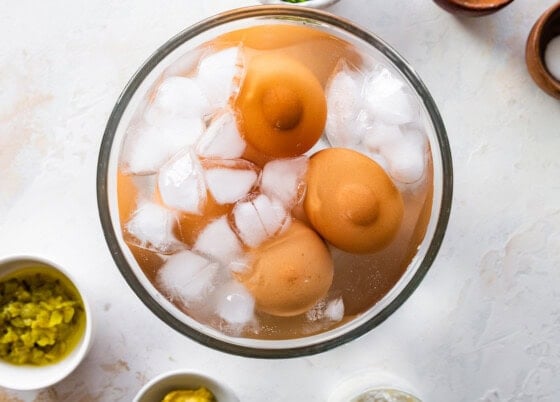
x=205 y=188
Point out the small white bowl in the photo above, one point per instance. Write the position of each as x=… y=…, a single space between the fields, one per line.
x=27 y=377
x=156 y=389
x=367 y=383
x=309 y=3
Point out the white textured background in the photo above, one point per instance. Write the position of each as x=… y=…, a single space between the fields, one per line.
x=483 y=326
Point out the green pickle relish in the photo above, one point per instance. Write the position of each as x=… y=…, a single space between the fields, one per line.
x=42 y=317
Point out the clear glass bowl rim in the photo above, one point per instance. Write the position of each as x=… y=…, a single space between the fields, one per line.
x=272 y=12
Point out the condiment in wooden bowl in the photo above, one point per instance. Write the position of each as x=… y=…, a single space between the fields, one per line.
x=473 y=8
x=545 y=30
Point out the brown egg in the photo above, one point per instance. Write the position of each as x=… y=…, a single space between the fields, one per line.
x=127 y=196
x=289 y=273
x=281 y=107
x=351 y=201
x=297 y=42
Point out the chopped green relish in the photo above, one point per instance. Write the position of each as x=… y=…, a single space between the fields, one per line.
x=42 y=317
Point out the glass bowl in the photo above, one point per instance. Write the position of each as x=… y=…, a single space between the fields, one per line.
x=133 y=98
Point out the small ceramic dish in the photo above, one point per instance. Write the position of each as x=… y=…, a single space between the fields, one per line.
x=546 y=28
x=308 y=3
x=30 y=377
x=374 y=385
x=472 y=8
x=156 y=389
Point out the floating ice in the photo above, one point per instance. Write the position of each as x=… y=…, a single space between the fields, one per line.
x=283 y=179
x=258 y=219
x=238 y=265
x=230 y=180
x=401 y=151
x=177 y=96
x=181 y=183
x=248 y=225
x=216 y=73
x=152 y=226
x=406 y=159
x=271 y=213
x=188 y=276
x=381 y=135
x=335 y=310
x=218 y=240
x=329 y=311
x=148 y=147
x=221 y=139
x=184 y=65
x=343 y=105
x=386 y=98
x=235 y=304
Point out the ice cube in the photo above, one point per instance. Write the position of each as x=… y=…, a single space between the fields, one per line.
x=148 y=147
x=184 y=65
x=238 y=265
x=326 y=311
x=406 y=159
x=272 y=214
x=343 y=105
x=218 y=240
x=222 y=139
x=283 y=179
x=317 y=312
x=181 y=183
x=248 y=225
x=386 y=98
x=229 y=185
x=235 y=304
x=381 y=135
x=188 y=276
x=151 y=226
x=177 y=96
x=259 y=218
x=334 y=310
x=217 y=73
x=230 y=180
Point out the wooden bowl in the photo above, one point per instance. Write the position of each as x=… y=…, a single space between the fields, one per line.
x=545 y=29
x=472 y=8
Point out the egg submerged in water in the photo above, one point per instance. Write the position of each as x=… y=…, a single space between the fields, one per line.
x=290 y=273
x=281 y=107
x=351 y=201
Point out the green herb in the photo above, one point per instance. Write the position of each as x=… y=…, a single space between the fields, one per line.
x=295 y=1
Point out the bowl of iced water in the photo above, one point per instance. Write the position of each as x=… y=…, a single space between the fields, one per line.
x=274 y=181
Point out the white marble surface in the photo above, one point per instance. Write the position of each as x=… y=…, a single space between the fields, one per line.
x=483 y=326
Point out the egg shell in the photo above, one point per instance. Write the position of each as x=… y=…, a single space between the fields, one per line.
x=281 y=108
x=351 y=201
x=289 y=273
x=297 y=42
